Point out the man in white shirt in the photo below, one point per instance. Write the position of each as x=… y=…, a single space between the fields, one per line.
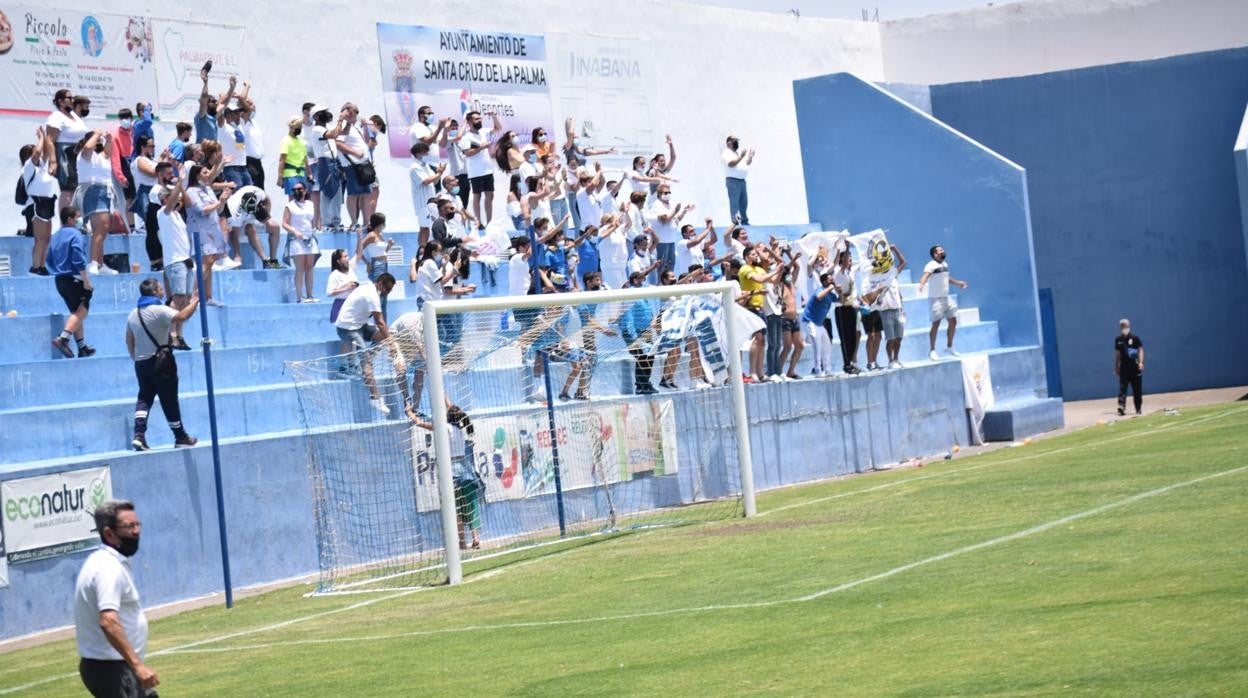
x=249 y=208
x=175 y=243
x=109 y=623
x=360 y=323
x=736 y=168
x=943 y=306
x=519 y=273
x=665 y=219
x=475 y=146
x=353 y=155
x=884 y=297
x=593 y=199
x=425 y=129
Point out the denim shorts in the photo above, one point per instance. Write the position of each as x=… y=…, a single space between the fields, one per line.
x=891 y=320
x=354 y=186
x=179 y=274
x=238 y=174
x=288 y=184
x=97 y=198
x=360 y=337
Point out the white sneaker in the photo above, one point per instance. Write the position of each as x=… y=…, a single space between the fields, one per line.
x=93 y=268
x=380 y=405
x=213 y=302
x=702 y=385
x=232 y=263
x=776 y=378
x=894 y=364
x=934 y=356
x=107 y=271
x=952 y=352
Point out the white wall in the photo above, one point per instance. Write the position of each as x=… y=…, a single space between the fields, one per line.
x=1042 y=36
x=719 y=71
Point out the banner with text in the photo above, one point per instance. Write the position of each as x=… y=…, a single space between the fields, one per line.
x=52 y=515
x=597 y=445
x=604 y=85
x=182 y=49
x=456 y=71
x=102 y=56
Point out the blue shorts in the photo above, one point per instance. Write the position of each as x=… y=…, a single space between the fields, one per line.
x=179 y=274
x=891 y=320
x=354 y=186
x=360 y=337
x=288 y=184
x=238 y=174
x=97 y=198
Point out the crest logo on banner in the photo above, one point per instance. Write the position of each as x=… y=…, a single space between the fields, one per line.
x=402 y=70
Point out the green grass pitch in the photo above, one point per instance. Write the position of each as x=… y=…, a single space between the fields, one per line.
x=1112 y=561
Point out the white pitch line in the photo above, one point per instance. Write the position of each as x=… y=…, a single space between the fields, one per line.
x=1025 y=533
x=1030 y=456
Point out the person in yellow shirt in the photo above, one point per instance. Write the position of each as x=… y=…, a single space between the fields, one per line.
x=754 y=278
x=292 y=162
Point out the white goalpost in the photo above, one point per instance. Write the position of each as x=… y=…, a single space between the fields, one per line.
x=517 y=423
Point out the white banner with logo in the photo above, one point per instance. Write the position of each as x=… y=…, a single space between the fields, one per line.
x=51 y=515
x=605 y=86
x=182 y=49
x=514 y=456
x=977 y=385
x=456 y=71
x=102 y=56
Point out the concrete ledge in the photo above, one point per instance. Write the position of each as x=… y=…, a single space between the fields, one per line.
x=1012 y=421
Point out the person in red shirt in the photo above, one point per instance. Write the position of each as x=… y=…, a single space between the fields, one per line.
x=123 y=152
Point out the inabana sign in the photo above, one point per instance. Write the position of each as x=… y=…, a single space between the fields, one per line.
x=51 y=515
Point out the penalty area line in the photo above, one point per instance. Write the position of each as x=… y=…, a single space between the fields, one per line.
x=992 y=542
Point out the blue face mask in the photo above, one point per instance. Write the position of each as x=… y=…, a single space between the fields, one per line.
x=429 y=119
x=452 y=133
x=531 y=157
x=454 y=190
x=438 y=258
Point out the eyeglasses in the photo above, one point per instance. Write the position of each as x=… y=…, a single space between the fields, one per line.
x=128 y=526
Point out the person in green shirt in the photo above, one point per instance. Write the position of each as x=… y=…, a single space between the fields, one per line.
x=292 y=160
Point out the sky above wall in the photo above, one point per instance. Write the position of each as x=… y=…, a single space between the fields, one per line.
x=852 y=9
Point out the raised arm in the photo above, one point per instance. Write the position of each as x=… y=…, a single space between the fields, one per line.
x=671 y=154
x=225 y=100
x=203 y=93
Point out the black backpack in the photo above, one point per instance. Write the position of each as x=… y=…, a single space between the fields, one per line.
x=19 y=196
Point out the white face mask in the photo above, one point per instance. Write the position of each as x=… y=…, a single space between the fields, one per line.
x=126 y=123
x=1126 y=331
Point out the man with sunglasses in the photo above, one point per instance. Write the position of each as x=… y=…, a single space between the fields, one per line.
x=109 y=622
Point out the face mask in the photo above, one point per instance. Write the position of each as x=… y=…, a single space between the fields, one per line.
x=127 y=123
x=212 y=111
x=428 y=119
x=454 y=190
x=576 y=142
x=299 y=194
x=1126 y=331
x=85 y=112
x=372 y=132
x=296 y=131
x=531 y=157
x=452 y=133
x=541 y=138
x=127 y=545
x=438 y=258
x=940 y=258
x=665 y=197
x=99 y=147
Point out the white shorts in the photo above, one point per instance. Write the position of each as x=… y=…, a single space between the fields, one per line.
x=423 y=219
x=943 y=308
x=239 y=220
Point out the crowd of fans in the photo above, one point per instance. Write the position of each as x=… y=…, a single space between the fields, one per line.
x=571 y=224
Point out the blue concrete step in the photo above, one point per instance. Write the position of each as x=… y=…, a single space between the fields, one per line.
x=1017 y=419
x=25 y=339
x=1018 y=373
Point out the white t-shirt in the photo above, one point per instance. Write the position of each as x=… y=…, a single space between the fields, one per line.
x=174 y=241
x=421 y=192
x=240 y=201
x=528 y=169
x=687 y=256
x=409 y=333
x=158 y=319
x=301 y=216
x=359 y=307
x=232 y=145
x=338 y=279
x=741 y=171
x=640 y=262
x=890 y=299
x=737 y=248
x=140 y=179
x=71 y=127
x=255 y=139
x=353 y=139
x=106 y=583
x=321 y=148
x=613 y=250
x=38 y=181
x=480 y=164
x=429 y=281
x=592 y=206
x=455 y=158
x=667 y=232
x=518 y=275
x=417 y=132
x=94 y=168
x=938 y=282
x=843 y=280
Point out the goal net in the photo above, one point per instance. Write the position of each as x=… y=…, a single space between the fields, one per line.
x=482 y=428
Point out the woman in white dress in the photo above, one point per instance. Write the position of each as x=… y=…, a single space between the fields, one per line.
x=301 y=244
x=202 y=219
x=95 y=193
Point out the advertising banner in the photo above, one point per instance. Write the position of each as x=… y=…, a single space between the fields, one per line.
x=456 y=71
x=604 y=85
x=182 y=48
x=102 y=56
x=51 y=515
x=515 y=459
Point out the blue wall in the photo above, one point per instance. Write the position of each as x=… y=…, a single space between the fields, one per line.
x=872 y=161
x=1241 y=174
x=1135 y=208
